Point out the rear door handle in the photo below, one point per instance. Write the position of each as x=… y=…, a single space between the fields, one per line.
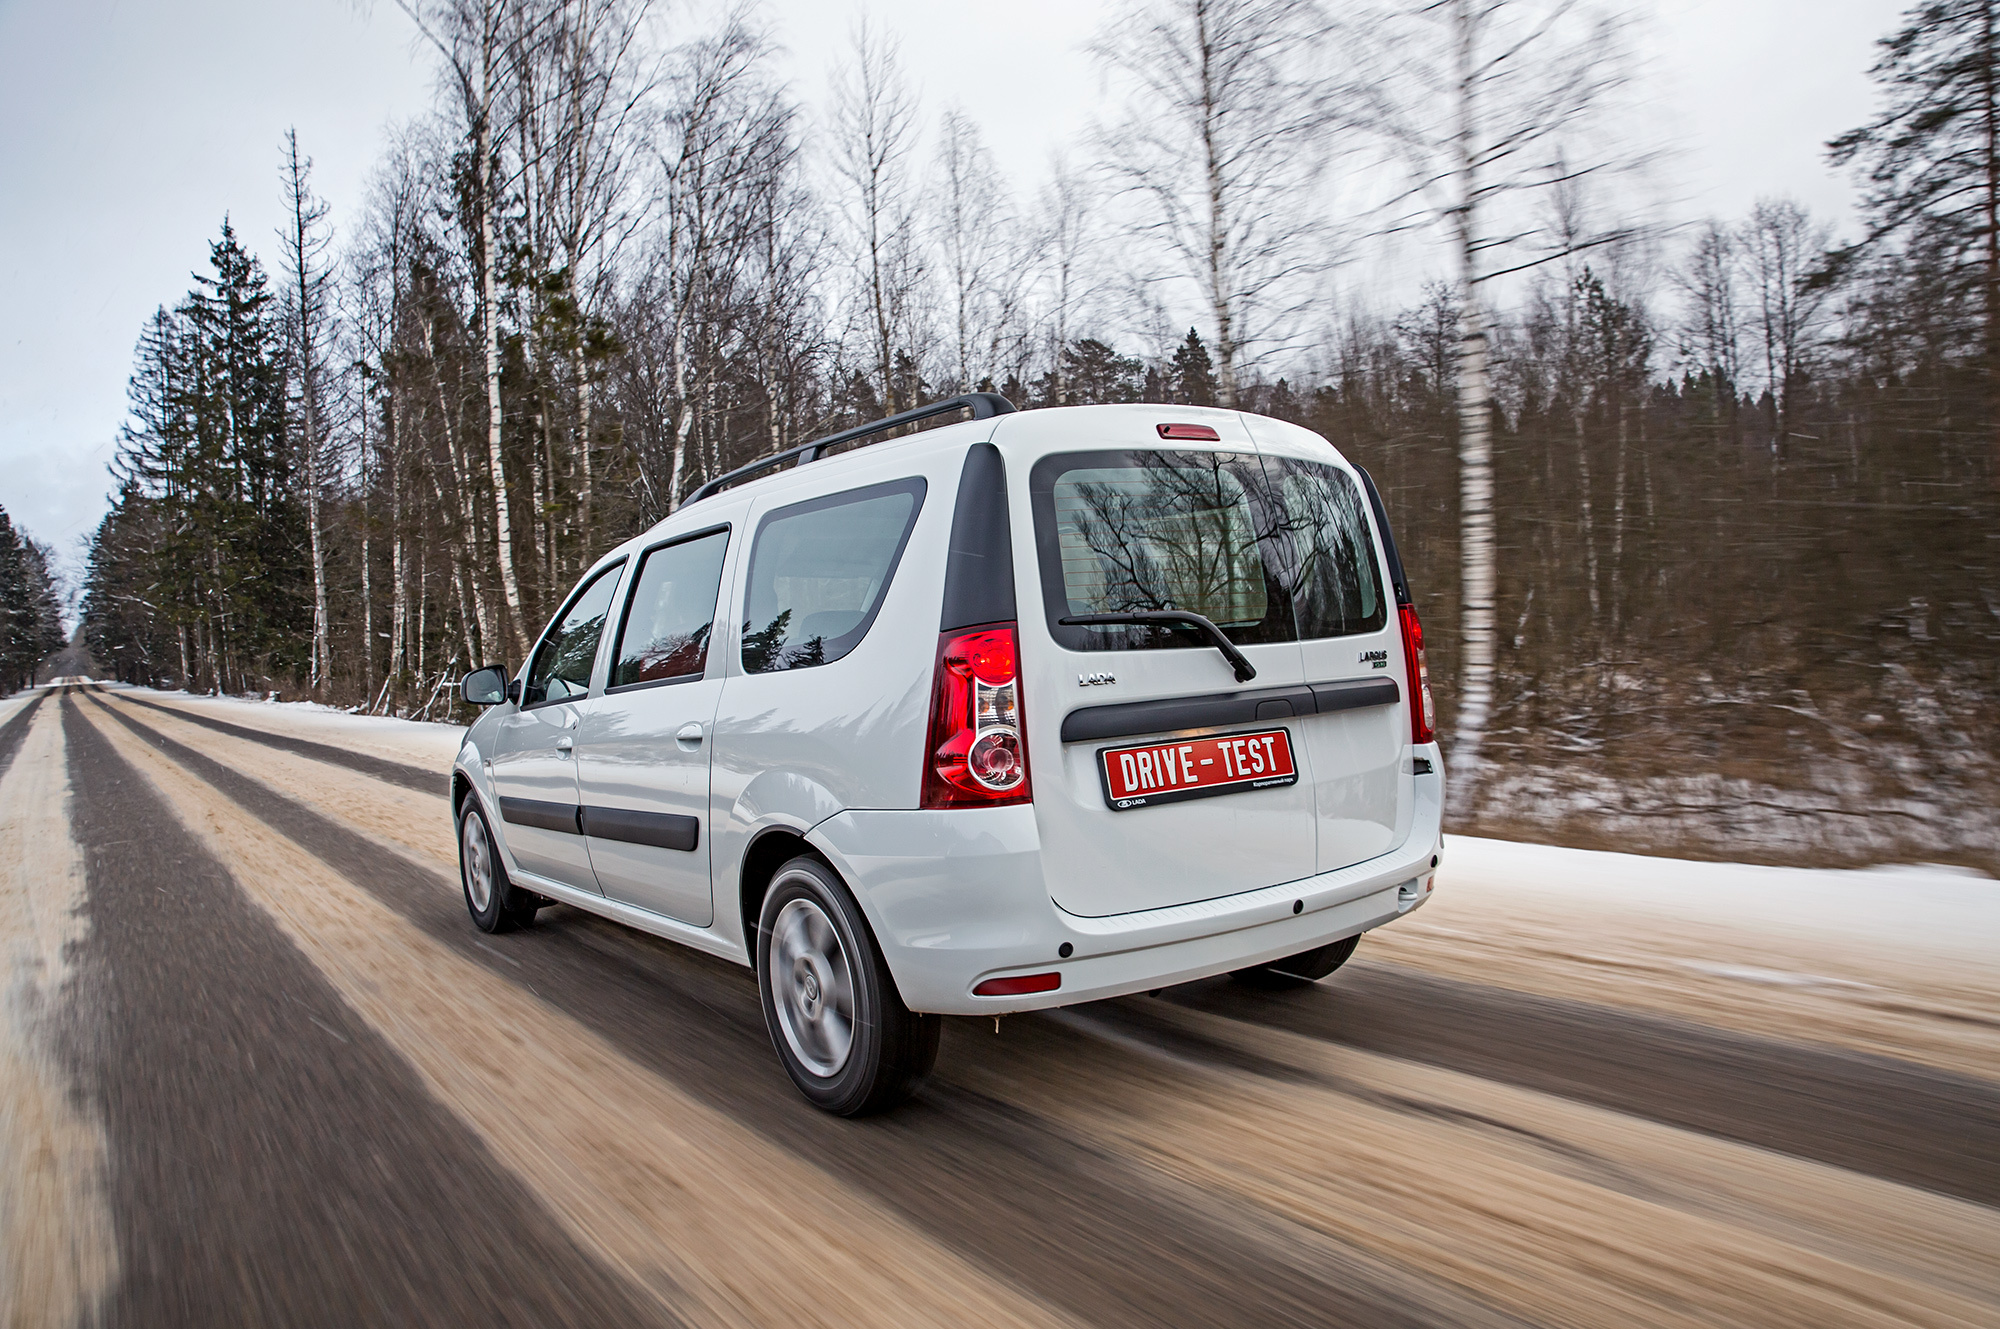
x=689 y=735
x=565 y=743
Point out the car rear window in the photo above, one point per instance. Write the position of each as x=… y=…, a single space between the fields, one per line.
x=1335 y=581
x=667 y=627
x=818 y=571
x=1268 y=549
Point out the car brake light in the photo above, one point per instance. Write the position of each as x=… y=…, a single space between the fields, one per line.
x=1423 y=714
x=976 y=755
x=1199 y=433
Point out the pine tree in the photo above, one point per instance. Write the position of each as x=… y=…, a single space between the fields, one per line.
x=207 y=536
x=1191 y=374
x=1930 y=163
x=30 y=616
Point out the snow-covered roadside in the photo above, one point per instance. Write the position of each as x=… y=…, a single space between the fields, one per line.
x=1896 y=960
x=415 y=741
x=9 y=706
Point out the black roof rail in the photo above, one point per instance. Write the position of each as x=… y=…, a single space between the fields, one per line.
x=983 y=405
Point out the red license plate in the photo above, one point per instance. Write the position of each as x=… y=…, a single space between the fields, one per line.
x=1140 y=776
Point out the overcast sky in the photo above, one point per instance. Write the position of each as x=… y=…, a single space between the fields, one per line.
x=128 y=128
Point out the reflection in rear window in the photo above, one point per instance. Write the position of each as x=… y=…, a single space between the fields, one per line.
x=818 y=571
x=1268 y=549
x=1165 y=531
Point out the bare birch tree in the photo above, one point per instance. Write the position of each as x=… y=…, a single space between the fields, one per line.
x=971 y=218
x=471 y=36
x=726 y=145
x=1711 y=338
x=1484 y=99
x=1066 y=239
x=1781 y=249
x=1225 y=131
x=306 y=245
x=874 y=132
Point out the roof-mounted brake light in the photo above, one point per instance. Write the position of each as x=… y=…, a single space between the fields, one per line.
x=1192 y=433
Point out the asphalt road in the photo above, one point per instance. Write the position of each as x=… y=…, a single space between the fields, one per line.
x=274 y=1076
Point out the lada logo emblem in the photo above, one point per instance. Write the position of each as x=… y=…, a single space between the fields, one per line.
x=1095 y=680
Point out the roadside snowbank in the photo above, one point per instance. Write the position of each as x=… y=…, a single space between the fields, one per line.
x=419 y=742
x=1924 y=907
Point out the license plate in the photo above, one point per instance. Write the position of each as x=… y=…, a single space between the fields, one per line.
x=1146 y=774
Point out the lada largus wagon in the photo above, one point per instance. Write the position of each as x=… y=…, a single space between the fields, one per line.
x=1024 y=710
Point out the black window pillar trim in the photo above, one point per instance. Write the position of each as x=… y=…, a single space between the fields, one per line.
x=979 y=570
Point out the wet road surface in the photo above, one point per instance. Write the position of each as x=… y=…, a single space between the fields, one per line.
x=309 y=1092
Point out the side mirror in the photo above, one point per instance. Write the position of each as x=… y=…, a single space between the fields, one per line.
x=485 y=687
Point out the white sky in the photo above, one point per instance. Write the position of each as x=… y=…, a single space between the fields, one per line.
x=129 y=127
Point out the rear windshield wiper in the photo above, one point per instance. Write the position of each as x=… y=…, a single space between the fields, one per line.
x=1245 y=671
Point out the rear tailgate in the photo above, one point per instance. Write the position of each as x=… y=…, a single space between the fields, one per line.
x=1351 y=651
x=1124 y=522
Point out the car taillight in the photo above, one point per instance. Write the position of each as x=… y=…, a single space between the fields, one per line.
x=976 y=755
x=1423 y=714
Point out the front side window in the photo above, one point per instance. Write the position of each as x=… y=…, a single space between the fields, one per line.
x=672 y=615
x=1125 y=531
x=560 y=670
x=818 y=571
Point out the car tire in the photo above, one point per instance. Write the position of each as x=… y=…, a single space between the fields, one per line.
x=839 y=1025
x=1298 y=970
x=495 y=903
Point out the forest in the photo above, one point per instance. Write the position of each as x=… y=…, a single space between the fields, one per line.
x=1701 y=519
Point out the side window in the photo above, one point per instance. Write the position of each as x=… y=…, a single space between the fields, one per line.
x=561 y=667
x=1338 y=588
x=672 y=615
x=818 y=571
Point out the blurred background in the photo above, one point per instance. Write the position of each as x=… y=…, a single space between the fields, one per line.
x=1707 y=297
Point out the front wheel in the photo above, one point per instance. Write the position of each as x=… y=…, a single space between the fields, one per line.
x=1297 y=970
x=495 y=903
x=836 y=1019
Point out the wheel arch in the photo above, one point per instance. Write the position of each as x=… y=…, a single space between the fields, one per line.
x=768 y=851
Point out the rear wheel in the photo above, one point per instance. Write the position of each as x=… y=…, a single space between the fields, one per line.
x=835 y=1017
x=1297 y=970
x=495 y=903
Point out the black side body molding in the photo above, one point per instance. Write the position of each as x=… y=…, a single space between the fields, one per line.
x=542 y=816
x=979 y=573
x=1125 y=719
x=662 y=830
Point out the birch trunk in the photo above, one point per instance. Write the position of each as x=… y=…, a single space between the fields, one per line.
x=503 y=524
x=1475 y=442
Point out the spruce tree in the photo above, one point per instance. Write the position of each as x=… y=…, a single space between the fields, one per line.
x=1930 y=162
x=1192 y=373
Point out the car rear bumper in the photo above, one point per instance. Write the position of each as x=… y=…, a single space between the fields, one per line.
x=958 y=897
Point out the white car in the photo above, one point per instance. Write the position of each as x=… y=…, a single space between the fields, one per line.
x=1030 y=709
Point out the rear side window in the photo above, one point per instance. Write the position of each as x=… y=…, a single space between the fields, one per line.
x=818 y=571
x=561 y=667
x=672 y=614
x=1124 y=531
x=1335 y=583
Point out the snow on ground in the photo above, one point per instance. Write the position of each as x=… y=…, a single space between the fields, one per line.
x=1925 y=907
x=419 y=742
x=1902 y=960
x=10 y=705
